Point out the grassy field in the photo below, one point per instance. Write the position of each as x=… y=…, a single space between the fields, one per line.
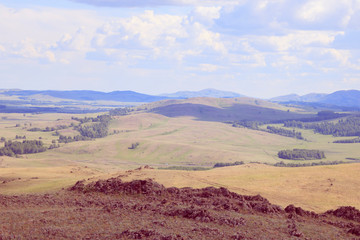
x=162 y=142
x=313 y=188
x=182 y=141
x=42 y=179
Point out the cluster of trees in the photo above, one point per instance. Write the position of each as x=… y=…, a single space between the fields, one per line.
x=120 y=111
x=301 y=154
x=68 y=139
x=344 y=127
x=353 y=140
x=95 y=127
x=285 y=132
x=282 y=164
x=47 y=129
x=89 y=128
x=247 y=124
x=20 y=137
x=295 y=124
x=328 y=114
x=25 y=147
x=96 y=130
x=100 y=118
x=228 y=164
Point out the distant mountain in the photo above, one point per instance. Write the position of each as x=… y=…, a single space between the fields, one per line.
x=343 y=98
x=86 y=95
x=347 y=98
x=203 y=93
x=286 y=98
x=311 y=97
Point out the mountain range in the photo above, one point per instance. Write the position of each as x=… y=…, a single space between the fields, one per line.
x=86 y=95
x=210 y=92
x=343 y=98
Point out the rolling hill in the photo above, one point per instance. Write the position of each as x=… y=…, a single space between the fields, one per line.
x=223 y=109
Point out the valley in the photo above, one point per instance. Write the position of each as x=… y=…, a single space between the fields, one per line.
x=195 y=139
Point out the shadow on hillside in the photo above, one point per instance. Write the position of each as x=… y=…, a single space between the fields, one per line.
x=234 y=113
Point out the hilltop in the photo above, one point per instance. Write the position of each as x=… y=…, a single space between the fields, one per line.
x=226 y=109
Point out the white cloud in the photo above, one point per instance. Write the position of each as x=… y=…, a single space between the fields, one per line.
x=157 y=36
x=205 y=15
x=295 y=40
x=79 y=41
x=44 y=33
x=315 y=11
x=209 y=39
x=27 y=49
x=280 y=39
x=139 y=32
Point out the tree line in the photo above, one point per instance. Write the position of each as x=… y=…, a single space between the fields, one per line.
x=353 y=140
x=217 y=165
x=282 y=164
x=255 y=125
x=47 y=129
x=344 y=127
x=301 y=154
x=285 y=132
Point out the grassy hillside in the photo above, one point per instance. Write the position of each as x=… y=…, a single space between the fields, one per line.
x=163 y=142
x=224 y=109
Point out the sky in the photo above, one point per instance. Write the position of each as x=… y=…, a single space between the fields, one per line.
x=259 y=48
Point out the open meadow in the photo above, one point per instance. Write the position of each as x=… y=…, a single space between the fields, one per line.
x=165 y=142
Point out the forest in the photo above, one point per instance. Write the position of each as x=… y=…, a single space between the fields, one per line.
x=353 y=140
x=342 y=128
x=301 y=154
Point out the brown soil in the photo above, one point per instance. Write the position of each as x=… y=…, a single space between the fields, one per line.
x=144 y=209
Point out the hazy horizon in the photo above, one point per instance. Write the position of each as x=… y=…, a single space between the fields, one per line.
x=178 y=91
x=256 y=48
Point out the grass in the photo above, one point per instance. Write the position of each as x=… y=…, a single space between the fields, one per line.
x=41 y=179
x=170 y=141
x=313 y=188
x=185 y=168
x=186 y=142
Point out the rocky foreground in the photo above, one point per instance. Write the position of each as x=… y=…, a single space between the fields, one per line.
x=144 y=209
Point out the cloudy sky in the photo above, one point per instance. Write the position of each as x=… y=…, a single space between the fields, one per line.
x=260 y=48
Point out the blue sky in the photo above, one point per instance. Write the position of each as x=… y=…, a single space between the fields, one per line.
x=260 y=48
